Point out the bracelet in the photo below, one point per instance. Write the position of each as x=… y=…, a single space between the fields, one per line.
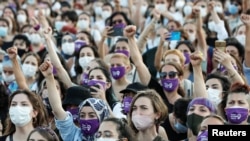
x=37 y=27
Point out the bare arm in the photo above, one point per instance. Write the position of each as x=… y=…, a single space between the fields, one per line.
x=53 y=94
x=102 y=48
x=246 y=20
x=20 y=78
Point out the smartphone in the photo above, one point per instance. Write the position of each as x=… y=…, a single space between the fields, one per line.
x=221 y=45
x=6 y=58
x=175 y=36
x=117 y=30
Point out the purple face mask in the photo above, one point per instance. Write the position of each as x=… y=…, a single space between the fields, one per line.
x=89 y=127
x=236 y=115
x=96 y=82
x=187 y=56
x=223 y=69
x=54 y=70
x=125 y=52
x=117 y=72
x=74 y=112
x=79 y=44
x=85 y=79
x=126 y=104
x=203 y=136
x=120 y=25
x=169 y=85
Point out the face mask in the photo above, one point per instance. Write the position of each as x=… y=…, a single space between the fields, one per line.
x=211 y=26
x=96 y=82
x=193 y=121
x=79 y=44
x=143 y=10
x=35 y=38
x=105 y=14
x=126 y=104
x=20 y=116
x=98 y=10
x=172 y=44
x=187 y=57
x=118 y=72
x=85 y=79
x=21 y=18
x=56 y=6
x=218 y=9
x=125 y=52
x=89 y=127
x=203 y=12
x=78 y=12
x=46 y=12
x=187 y=10
x=142 y=122
x=9 y=78
x=214 y=95
x=124 y=3
x=54 y=70
x=170 y=85
x=203 y=136
x=106 y=139
x=241 y=38
x=74 y=112
x=29 y=70
x=236 y=114
x=179 y=4
x=83 y=61
x=68 y=48
x=83 y=24
x=232 y=9
x=3 y=31
x=161 y=7
x=191 y=37
x=31 y=2
x=59 y=25
x=180 y=128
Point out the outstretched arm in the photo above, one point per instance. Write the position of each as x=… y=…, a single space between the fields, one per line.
x=53 y=94
x=20 y=78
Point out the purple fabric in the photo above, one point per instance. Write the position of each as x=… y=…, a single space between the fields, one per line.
x=118 y=72
x=126 y=104
x=203 y=136
x=169 y=85
x=85 y=79
x=187 y=56
x=236 y=115
x=89 y=127
x=79 y=44
x=125 y=52
x=96 y=82
x=121 y=25
x=74 y=112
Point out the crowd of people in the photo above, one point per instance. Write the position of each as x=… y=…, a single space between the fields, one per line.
x=122 y=70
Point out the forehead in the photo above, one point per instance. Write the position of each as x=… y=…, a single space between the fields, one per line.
x=122 y=43
x=143 y=101
x=83 y=16
x=67 y=37
x=199 y=106
x=237 y=96
x=168 y=68
x=87 y=109
x=116 y=17
x=20 y=97
x=213 y=81
x=8 y=68
x=116 y=59
x=183 y=47
x=96 y=72
x=172 y=56
x=31 y=58
x=108 y=126
x=86 y=49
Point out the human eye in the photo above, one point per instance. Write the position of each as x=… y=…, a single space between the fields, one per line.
x=191 y=109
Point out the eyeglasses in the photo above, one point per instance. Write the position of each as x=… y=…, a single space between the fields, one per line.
x=170 y=74
x=116 y=21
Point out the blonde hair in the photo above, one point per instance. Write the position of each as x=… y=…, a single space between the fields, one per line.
x=175 y=52
x=122 y=56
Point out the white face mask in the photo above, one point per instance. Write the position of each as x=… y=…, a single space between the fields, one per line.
x=105 y=14
x=179 y=4
x=242 y=39
x=29 y=70
x=56 y=6
x=21 y=18
x=141 y=122
x=78 y=12
x=211 y=26
x=143 y=9
x=173 y=44
x=191 y=37
x=31 y=2
x=83 y=24
x=83 y=61
x=106 y=139
x=98 y=10
x=203 y=12
x=124 y=3
x=35 y=38
x=59 y=25
x=68 y=48
x=214 y=95
x=187 y=10
x=8 y=78
x=20 y=116
x=161 y=7
x=218 y=9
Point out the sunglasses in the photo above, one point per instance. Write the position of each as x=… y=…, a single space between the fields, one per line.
x=171 y=74
x=116 y=21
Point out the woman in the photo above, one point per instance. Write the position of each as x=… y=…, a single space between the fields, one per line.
x=212 y=119
x=234 y=11
x=146 y=113
x=42 y=133
x=197 y=109
x=116 y=127
x=6 y=35
x=26 y=112
x=4 y=98
x=236 y=104
x=92 y=112
x=22 y=17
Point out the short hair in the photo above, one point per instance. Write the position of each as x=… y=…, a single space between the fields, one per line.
x=175 y=52
x=157 y=104
x=24 y=38
x=45 y=132
x=122 y=56
x=72 y=15
x=180 y=109
x=225 y=83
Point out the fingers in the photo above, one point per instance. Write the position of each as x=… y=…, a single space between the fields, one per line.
x=45 y=66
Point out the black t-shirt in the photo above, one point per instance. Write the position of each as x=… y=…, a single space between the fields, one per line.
x=153 y=84
x=172 y=135
x=6 y=45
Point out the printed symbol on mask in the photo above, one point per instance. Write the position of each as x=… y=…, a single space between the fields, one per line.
x=204 y=138
x=75 y=116
x=116 y=73
x=235 y=116
x=168 y=85
x=86 y=127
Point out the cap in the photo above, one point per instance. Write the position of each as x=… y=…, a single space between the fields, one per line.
x=134 y=87
x=75 y=95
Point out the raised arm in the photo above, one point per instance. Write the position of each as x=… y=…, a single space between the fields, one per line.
x=245 y=5
x=246 y=20
x=53 y=94
x=117 y=6
x=20 y=78
x=199 y=83
x=102 y=49
x=136 y=56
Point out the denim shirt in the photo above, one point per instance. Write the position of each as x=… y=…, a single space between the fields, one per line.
x=246 y=71
x=68 y=130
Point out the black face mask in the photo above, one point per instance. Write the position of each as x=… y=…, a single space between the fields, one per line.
x=193 y=121
x=21 y=52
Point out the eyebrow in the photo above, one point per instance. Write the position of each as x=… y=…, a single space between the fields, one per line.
x=215 y=85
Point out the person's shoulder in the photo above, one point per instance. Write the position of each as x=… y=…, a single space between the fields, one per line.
x=159 y=138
